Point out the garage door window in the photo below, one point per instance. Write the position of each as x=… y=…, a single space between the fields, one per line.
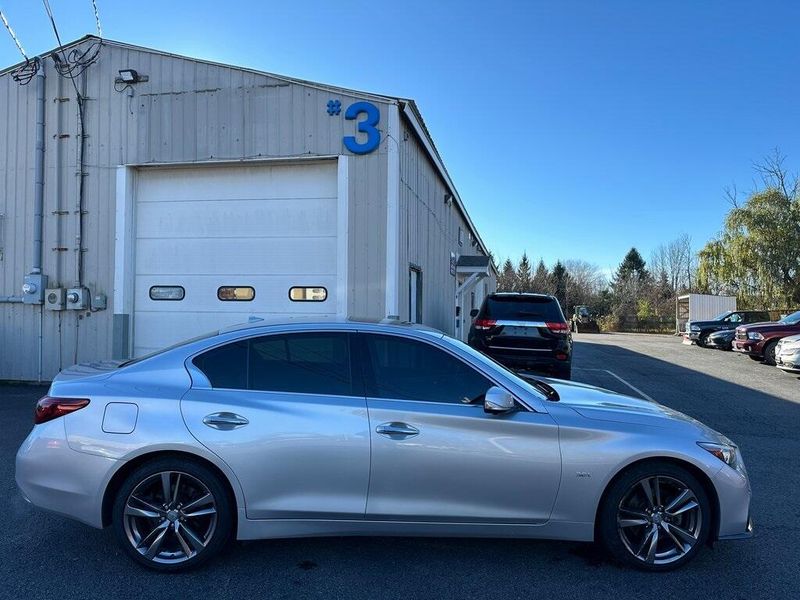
x=303 y=363
x=231 y=293
x=167 y=292
x=308 y=294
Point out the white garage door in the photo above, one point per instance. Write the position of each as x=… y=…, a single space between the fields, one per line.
x=269 y=228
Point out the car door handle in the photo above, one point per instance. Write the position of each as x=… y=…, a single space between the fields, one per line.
x=225 y=421
x=397 y=430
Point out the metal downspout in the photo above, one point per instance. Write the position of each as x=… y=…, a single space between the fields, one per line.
x=38 y=202
x=10 y=299
x=38 y=174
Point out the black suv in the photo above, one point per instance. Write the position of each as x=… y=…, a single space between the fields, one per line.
x=524 y=332
x=698 y=331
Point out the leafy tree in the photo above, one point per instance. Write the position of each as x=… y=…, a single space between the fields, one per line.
x=757 y=255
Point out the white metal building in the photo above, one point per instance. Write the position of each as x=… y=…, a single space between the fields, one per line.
x=192 y=195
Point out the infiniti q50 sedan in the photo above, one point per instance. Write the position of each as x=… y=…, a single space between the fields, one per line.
x=350 y=428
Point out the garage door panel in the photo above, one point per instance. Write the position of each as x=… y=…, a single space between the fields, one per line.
x=267 y=227
x=150 y=327
x=238 y=218
x=254 y=182
x=285 y=256
x=200 y=294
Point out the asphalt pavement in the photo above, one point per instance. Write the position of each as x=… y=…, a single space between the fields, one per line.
x=46 y=556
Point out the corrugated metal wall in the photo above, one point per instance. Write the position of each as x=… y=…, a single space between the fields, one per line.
x=428 y=234
x=188 y=111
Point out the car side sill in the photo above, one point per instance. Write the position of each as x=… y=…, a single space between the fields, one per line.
x=250 y=529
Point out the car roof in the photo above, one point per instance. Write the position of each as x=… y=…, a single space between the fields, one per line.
x=312 y=322
x=521 y=295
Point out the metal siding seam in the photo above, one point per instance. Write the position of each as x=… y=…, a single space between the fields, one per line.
x=392 y=212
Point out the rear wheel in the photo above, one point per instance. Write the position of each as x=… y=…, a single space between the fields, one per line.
x=172 y=514
x=769 y=353
x=563 y=372
x=655 y=517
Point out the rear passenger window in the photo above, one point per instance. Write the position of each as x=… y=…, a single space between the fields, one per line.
x=306 y=363
x=226 y=366
x=404 y=369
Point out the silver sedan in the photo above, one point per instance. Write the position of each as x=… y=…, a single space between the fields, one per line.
x=350 y=428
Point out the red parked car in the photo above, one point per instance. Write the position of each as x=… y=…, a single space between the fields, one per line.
x=758 y=340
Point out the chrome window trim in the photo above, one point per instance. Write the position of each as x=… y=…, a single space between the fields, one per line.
x=521 y=323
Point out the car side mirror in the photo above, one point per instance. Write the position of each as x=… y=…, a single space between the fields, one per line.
x=498 y=401
x=473 y=313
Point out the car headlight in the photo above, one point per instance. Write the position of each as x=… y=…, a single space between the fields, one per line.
x=754 y=335
x=694 y=328
x=725 y=452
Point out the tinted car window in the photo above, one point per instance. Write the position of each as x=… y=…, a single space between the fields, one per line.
x=734 y=318
x=410 y=370
x=308 y=363
x=522 y=308
x=225 y=366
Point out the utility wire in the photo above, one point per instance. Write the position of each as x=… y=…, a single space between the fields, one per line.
x=97 y=19
x=14 y=36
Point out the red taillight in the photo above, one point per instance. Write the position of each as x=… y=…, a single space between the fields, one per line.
x=558 y=327
x=561 y=356
x=49 y=408
x=484 y=323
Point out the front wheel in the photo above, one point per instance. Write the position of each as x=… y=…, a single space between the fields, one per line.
x=769 y=353
x=655 y=517
x=702 y=341
x=172 y=514
x=754 y=357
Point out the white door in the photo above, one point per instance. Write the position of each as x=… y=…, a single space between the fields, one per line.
x=231 y=242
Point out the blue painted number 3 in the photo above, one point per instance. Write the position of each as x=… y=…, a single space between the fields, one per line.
x=367 y=126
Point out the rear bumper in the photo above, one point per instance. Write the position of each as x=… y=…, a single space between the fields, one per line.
x=535 y=361
x=52 y=476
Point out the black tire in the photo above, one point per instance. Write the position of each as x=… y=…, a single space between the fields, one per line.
x=769 y=353
x=702 y=340
x=213 y=531
x=754 y=357
x=619 y=540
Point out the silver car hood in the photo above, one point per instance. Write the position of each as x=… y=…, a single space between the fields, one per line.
x=88 y=369
x=604 y=405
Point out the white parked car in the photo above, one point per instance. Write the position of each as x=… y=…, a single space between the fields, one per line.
x=787 y=354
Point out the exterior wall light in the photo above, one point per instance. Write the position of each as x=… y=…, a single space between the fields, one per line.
x=130 y=76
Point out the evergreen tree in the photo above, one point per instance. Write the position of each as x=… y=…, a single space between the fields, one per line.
x=541 y=279
x=507 y=280
x=632 y=264
x=523 y=282
x=559 y=281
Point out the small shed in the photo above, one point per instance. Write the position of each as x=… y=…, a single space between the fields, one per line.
x=700 y=307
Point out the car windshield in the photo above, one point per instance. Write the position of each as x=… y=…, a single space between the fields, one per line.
x=721 y=316
x=792 y=319
x=523 y=308
x=133 y=361
x=496 y=367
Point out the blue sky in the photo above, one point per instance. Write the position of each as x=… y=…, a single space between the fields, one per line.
x=571 y=129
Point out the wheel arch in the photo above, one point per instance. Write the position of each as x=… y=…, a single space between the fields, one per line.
x=129 y=466
x=697 y=472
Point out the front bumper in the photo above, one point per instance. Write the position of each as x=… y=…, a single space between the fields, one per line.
x=748 y=347
x=734 y=495
x=788 y=362
x=55 y=477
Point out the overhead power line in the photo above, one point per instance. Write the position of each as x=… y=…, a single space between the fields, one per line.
x=97 y=19
x=14 y=35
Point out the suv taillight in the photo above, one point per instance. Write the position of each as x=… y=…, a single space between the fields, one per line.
x=558 y=327
x=484 y=323
x=49 y=408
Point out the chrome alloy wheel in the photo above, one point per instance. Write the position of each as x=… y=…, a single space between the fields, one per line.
x=169 y=517
x=659 y=519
